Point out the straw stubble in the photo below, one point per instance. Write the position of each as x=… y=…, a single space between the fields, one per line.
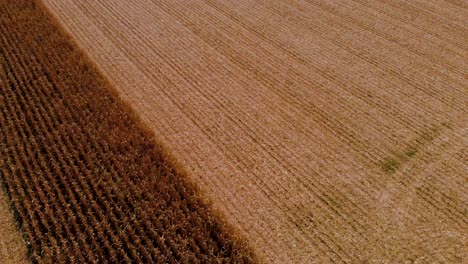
x=323 y=130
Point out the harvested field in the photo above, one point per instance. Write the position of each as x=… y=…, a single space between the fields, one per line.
x=12 y=245
x=87 y=181
x=324 y=130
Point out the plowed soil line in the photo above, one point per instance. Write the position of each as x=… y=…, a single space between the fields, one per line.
x=87 y=181
x=324 y=130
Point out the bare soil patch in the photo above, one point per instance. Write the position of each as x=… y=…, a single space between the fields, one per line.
x=12 y=245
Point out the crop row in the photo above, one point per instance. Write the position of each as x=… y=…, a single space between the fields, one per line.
x=85 y=178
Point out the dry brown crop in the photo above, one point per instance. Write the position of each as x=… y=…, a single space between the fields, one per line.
x=87 y=181
x=325 y=130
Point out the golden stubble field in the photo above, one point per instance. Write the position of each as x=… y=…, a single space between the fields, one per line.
x=323 y=130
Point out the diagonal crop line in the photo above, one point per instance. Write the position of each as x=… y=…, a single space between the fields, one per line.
x=86 y=179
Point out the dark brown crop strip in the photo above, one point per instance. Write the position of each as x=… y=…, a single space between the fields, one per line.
x=85 y=177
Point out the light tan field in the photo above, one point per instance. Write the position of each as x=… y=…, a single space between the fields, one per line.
x=12 y=245
x=323 y=130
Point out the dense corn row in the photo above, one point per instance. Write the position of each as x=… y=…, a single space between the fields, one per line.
x=84 y=177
